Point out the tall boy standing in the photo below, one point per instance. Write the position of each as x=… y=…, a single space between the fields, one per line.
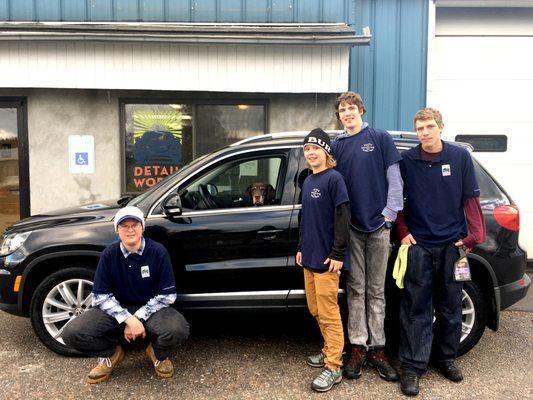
x=368 y=160
x=442 y=215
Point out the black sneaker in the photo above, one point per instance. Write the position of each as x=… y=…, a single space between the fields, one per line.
x=352 y=369
x=380 y=362
x=409 y=383
x=449 y=371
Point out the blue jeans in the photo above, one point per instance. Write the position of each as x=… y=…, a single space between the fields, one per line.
x=430 y=286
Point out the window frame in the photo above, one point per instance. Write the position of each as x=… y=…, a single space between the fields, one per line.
x=20 y=104
x=237 y=161
x=193 y=102
x=283 y=152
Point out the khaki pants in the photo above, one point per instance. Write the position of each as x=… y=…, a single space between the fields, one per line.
x=321 y=292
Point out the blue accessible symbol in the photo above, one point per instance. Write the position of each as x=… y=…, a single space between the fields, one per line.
x=82 y=158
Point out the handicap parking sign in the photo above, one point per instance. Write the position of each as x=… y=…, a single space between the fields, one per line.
x=81 y=154
x=82 y=158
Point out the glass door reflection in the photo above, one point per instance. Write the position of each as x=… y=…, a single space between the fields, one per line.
x=9 y=167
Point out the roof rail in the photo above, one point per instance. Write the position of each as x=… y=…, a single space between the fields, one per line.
x=403 y=134
x=280 y=135
x=270 y=136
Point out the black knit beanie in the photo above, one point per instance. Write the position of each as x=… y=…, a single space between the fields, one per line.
x=319 y=138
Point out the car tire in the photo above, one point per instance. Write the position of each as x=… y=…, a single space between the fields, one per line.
x=474 y=316
x=59 y=298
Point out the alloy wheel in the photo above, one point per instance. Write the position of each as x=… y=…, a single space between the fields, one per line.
x=469 y=315
x=64 y=302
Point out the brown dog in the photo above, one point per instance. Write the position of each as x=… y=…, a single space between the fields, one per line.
x=261 y=193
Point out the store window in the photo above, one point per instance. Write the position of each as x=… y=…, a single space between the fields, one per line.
x=158 y=142
x=161 y=138
x=220 y=125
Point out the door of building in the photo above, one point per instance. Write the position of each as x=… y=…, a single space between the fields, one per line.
x=14 y=188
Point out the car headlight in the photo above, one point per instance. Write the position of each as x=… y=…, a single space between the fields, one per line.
x=11 y=242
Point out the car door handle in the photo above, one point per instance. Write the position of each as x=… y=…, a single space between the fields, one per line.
x=269 y=234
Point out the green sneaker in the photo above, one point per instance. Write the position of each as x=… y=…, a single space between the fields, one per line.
x=317 y=360
x=326 y=380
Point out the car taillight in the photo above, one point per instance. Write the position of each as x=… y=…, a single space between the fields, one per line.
x=508 y=217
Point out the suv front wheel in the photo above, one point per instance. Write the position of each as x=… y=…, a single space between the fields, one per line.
x=57 y=300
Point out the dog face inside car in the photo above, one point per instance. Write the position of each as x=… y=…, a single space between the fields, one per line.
x=261 y=193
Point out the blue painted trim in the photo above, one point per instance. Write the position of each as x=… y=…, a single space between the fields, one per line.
x=390 y=74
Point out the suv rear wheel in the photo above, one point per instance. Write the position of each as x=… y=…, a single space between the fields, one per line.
x=474 y=317
x=57 y=300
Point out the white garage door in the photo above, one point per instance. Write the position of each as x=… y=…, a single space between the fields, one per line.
x=480 y=75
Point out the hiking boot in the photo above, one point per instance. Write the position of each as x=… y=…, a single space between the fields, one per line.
x=105 y=366
x=409 y=383
x=316 y=360
x=449 y=371
x=326 y=379
x=352 y=369
x=377 y=359
x=163 y=368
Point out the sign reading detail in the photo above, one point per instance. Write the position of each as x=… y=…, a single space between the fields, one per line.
x=157 y=148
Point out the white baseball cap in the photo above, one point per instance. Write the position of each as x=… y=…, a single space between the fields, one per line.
x=129 y=212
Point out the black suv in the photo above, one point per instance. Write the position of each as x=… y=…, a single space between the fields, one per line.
x=230 y=248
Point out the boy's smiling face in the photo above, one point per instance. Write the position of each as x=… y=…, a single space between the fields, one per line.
x=315 y=156
x=351 y=117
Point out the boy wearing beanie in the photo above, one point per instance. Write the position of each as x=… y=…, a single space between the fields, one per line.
x=324 y=232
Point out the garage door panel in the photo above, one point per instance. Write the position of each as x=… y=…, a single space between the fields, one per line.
x=483 y=58
x=483 y=85
x=484 y=100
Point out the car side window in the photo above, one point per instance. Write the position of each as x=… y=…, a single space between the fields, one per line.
x=250 y=182
x=490 y=194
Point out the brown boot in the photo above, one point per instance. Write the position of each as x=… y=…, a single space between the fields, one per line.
x=105 y=366
x=163 y=369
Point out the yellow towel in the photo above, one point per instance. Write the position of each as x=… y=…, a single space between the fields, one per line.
x=400 y=265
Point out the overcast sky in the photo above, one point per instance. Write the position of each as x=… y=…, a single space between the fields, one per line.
x=8 y=123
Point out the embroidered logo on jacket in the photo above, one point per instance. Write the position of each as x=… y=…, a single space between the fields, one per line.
x=315 y=193
x=368 y=147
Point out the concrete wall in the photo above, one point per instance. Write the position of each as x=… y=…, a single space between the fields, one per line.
x=55 y=114
x=289 y=112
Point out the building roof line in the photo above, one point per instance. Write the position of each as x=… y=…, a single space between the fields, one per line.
x=207 y=33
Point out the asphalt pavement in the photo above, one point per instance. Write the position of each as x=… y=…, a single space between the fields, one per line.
x=255 y=357
x=526 y=304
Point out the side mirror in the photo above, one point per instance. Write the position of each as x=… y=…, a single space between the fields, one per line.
x=212 y=189
x=172 y=205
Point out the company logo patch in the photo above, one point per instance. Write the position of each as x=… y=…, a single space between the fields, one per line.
x=368 y=147
x=446 y=170
x=145 y=271
x=315 y=193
